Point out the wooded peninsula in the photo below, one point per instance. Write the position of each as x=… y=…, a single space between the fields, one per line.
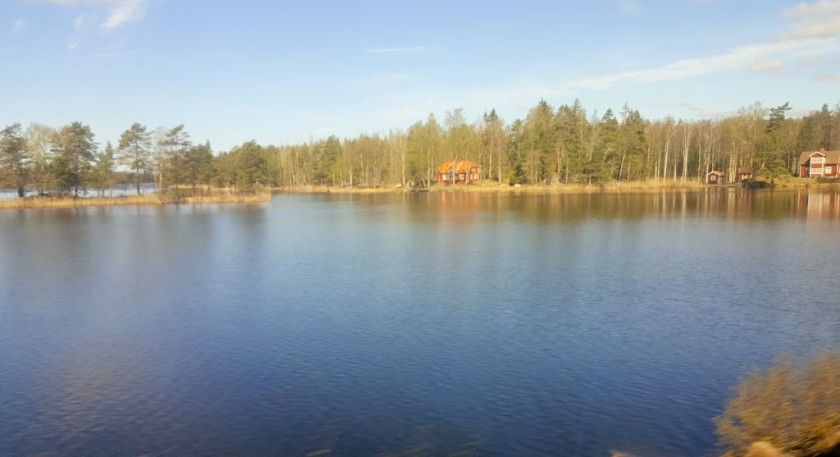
x=550 y=146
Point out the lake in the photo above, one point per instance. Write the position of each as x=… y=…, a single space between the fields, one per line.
x=372 y=324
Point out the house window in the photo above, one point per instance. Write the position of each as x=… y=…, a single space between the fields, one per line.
x=817 y=160
x=828 y=169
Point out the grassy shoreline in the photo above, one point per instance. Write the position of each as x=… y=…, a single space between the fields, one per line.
x=204 y=198
x=614 y=187
x=226 y=196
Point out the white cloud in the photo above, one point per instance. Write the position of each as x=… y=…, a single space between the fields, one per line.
x=408 y=49
x=814 y=20
x=767 y=66
x=73 y=46
x=807 y=10
x=126 y=11
x=119 y=11
x=736 y=58
x=822 y=40
x=18 y=26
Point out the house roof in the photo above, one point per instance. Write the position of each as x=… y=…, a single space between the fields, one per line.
x=830 y=156
x=456 y=166
x=745 y=171
x=716 y=172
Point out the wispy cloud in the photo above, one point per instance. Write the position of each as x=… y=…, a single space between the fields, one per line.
x=119 y=12
x=736 y=58
x=827 y=78
x=407 y=49
x=810 y=61
x=80 y=21
x=629 y=6
x=18 y=26
x=817 y=9
x=822 y=39
x=814 y=20
x=767 y=66
x=126 y=11
x=112 y=55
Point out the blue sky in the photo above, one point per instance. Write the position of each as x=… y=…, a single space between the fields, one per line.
x=286 y=72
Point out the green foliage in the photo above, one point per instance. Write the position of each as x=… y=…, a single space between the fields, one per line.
x=135 y=152
x=172 y=149
x=548 y=146
x=198 y=165
x=102 y=174
x=74 y=151
x=250 y=166
x=795 y=409
x=516 y=173
x=14 y=160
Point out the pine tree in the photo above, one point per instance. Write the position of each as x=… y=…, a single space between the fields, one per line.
x=14 y=160
x=135 y=152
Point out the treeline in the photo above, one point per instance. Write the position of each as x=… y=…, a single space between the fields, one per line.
x=69 y=161
x=550 y=145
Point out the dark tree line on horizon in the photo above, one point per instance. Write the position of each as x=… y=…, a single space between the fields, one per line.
x=550 y=145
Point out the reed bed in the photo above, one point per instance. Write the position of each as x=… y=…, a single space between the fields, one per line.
x=216 y=196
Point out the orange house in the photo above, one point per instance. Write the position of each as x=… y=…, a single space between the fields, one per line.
x=458 y=172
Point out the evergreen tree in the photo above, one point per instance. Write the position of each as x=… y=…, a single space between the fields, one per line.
x=102 y=174
x=198 y=165
x=74 y=151
x=135 y=153
x=251 y=166
x=771 y=157
x=14 y=160
x=173 y=145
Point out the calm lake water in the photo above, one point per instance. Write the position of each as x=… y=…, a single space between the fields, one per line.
x=369 y=324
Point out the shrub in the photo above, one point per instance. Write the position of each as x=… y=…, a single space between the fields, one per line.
x=797 y=410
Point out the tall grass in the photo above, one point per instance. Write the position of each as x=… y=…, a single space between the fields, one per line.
x=179 y=196
x=794 y=409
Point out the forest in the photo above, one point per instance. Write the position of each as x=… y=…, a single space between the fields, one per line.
x=551 y=145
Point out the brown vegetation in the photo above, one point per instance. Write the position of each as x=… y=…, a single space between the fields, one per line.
x=795 y=410
x=216 y=196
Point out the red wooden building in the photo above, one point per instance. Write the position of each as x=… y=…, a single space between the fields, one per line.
x=819 y=164
x=458 y=172
x=744 y=174
x=715 y=177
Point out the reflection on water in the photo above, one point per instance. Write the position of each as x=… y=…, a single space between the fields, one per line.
x=716 y=202
x=454 y=322
x=118 y=191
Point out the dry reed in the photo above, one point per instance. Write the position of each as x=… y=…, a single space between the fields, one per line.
x=216 y=196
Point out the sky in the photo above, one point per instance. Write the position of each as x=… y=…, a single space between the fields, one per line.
x=290 y=71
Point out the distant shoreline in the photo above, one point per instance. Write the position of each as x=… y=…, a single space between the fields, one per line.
x=230 y=197
x=538 y=189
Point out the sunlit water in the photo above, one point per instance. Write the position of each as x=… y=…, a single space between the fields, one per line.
x=502 y=325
